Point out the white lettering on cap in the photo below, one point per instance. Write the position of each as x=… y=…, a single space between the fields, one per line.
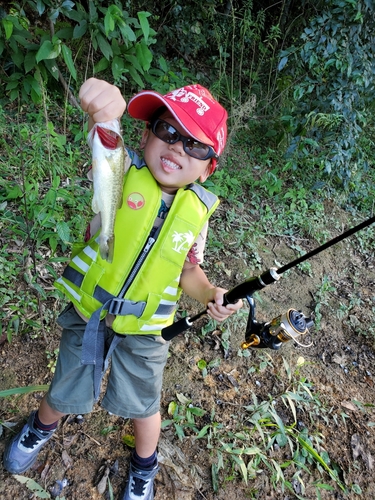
x=220 y=140
x=184 y=96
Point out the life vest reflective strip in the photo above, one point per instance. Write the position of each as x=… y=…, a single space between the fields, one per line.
x=150 y=300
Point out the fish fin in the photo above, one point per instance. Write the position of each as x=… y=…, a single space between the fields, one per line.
x=94 y=205
x=120 y=201
x=106 y=249
x=111 y=247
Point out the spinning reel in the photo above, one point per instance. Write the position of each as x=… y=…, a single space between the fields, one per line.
x=288 y=326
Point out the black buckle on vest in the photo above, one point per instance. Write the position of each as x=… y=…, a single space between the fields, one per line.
x=124 y=307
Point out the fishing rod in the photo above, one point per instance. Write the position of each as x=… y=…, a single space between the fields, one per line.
x=288 y=326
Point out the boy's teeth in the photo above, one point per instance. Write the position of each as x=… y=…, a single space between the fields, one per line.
x=171 y=164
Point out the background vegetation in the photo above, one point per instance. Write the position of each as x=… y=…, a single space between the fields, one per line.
x=297 y=78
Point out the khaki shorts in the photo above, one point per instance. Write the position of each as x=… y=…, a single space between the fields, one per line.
x=134 y=381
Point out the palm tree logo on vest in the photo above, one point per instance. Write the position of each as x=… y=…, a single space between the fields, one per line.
x=182 y=241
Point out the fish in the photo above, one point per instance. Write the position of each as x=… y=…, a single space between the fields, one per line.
x=108 y=159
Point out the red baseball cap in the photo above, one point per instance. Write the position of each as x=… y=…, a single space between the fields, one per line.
x=195 y=110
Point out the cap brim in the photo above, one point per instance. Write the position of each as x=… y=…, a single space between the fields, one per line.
x=143 y=105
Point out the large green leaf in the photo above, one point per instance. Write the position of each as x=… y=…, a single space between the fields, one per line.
x=18 y=58
x=134 y=62
x=113 y=13
x=104 y=46
x=8 y=28
x=67 y=55
x=144 y=55
x=142 y=16
x=63 y=231
x=118 y=67
x=65 y=33
x=80 y=30
x=33 y=486
x=48 y=50
x=23 y=390
x=127 y=33
x=101 y=65
x=52 y=67
x=29 y=61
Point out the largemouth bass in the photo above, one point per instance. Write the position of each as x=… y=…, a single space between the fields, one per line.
x=108 y=157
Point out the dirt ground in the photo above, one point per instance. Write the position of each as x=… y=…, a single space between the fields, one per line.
x=339 y=366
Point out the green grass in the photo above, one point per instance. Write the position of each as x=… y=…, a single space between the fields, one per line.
x=261 y=439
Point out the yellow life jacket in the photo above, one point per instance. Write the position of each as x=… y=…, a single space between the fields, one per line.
x=141 y=286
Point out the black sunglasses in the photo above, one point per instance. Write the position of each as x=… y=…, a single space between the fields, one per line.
x=167 y=133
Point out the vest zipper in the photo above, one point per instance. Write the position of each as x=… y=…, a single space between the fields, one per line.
x=138 y=263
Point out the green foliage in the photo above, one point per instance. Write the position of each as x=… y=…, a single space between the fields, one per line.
x=35 y=203
x=23 y=390
x=183 y=415
x=41 y=40
x=263 y=436
x=165 y=76
x=37 y=490
x=321 y=298
x=334 y=67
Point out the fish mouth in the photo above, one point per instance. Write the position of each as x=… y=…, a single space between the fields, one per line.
x=108 y=138
x=169 y=165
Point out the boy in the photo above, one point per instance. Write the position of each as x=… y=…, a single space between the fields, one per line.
x=184 y=136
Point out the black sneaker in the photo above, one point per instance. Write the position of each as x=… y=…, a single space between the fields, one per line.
x=140 y=484
x=22 y=451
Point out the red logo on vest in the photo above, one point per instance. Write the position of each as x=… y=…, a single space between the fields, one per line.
x=135 y=201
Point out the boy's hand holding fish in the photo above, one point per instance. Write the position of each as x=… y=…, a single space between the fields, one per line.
x=101 y=100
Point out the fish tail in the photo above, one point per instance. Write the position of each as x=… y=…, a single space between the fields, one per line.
x=106 y=249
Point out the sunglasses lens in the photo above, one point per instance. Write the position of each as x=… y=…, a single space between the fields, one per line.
x=167 y=133
x=196 y=149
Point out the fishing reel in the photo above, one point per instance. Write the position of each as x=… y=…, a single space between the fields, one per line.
x=273 y=334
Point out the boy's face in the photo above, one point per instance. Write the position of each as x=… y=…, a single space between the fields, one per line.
x=170 y=165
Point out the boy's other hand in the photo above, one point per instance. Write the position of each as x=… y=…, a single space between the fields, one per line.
x=101 y=100
x=215 y=308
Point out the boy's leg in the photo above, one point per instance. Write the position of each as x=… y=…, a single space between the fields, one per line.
x=48 y=415
x=133 y=391
x=22 y=451
x=146 y=433
x=144 y=463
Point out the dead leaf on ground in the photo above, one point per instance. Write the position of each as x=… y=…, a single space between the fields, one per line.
x=184 y=476
x=69 y=440
x=67 y=460
x=232 y=380
x=349 y=405
x=102 y=484
x=359 y=451
x=339 y=359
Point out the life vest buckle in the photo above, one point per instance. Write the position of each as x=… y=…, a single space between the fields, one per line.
x=125 y=307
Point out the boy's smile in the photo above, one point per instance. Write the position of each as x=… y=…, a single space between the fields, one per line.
x=170 y=165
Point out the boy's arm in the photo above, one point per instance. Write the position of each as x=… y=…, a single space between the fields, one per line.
x=195 y=283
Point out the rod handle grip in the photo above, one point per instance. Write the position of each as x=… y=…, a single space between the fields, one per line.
x=171 y=331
